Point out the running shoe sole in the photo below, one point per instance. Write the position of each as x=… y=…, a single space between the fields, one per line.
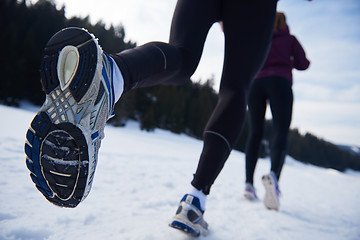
x=58 y=143
x=184 y=228
x=271 y=199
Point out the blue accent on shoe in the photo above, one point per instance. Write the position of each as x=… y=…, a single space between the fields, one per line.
x=33 y=164
x=195 y=202
x=94 y=135
x=112 y=81
x=109 y=85
x=185 y=228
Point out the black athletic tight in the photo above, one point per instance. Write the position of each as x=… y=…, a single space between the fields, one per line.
x=278 y=92
x=248 y=26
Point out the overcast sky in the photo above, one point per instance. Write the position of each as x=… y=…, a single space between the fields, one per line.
x=327 y=96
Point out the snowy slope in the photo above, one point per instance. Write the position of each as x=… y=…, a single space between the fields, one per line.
x=141 y=177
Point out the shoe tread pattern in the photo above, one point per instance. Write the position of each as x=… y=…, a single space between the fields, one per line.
x=57 y=159
x=56 y=149
x=271 y=200
x=87 y=63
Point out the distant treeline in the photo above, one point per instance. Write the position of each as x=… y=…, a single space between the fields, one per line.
x=25 y=29
x=186 y=109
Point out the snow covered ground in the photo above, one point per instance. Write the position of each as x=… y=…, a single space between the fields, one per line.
x=141 y=177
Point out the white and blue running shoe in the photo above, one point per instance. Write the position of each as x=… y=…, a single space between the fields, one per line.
x=63 y=140
x=189 y=217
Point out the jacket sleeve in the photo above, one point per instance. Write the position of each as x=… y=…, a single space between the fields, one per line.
x=299 y=60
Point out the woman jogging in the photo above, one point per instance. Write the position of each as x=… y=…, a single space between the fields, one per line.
x=82 y=84
x=273 y=84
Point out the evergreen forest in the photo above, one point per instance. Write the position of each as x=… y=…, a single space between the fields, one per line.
x=25 y=28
